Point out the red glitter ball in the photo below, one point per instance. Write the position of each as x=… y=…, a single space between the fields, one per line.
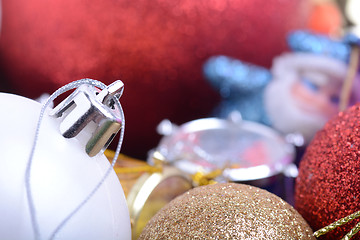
x=328 y=185
x=156 y=47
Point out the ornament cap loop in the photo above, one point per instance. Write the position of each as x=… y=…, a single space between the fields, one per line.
x=94 y=111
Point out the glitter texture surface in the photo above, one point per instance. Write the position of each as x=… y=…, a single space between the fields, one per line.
x=328 y=185
x=156 y=47
x=227 y=211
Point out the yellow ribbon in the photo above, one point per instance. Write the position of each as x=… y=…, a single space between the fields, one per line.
x=200 y=179
x=125 y=170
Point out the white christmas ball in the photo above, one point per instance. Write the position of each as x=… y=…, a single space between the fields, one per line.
x=62 y=176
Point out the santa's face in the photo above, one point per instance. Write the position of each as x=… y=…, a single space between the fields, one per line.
x=303 y=93
x=316 y=92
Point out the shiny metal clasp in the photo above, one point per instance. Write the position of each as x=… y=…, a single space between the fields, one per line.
x=88 y=107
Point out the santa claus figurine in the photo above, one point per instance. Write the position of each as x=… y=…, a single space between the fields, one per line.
x=297 y=95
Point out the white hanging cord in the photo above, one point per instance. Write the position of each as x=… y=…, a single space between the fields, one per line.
x=30 y=199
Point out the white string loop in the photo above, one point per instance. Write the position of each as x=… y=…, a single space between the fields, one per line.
x=30 y=200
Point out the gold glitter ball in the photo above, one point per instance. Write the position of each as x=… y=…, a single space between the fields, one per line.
x=227 y=211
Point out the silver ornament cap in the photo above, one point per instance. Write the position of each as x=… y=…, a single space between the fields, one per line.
x=92 y=109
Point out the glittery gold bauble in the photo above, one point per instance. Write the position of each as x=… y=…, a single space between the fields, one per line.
x=227 y=211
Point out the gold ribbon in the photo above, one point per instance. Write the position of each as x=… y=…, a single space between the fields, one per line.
x=200 y=178
x=138 y=169
x=339 y=223
x=147 y=168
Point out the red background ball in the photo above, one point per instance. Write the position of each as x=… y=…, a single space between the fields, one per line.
x=328 y=185
x=325 y=18
x=156 y=47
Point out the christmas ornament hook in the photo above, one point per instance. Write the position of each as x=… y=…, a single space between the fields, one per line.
x=88 y=105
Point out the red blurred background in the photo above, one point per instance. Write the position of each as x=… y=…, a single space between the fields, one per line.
x=156 y=48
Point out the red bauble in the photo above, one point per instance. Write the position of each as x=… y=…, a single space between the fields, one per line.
x=156 y=47
x=328 y=185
